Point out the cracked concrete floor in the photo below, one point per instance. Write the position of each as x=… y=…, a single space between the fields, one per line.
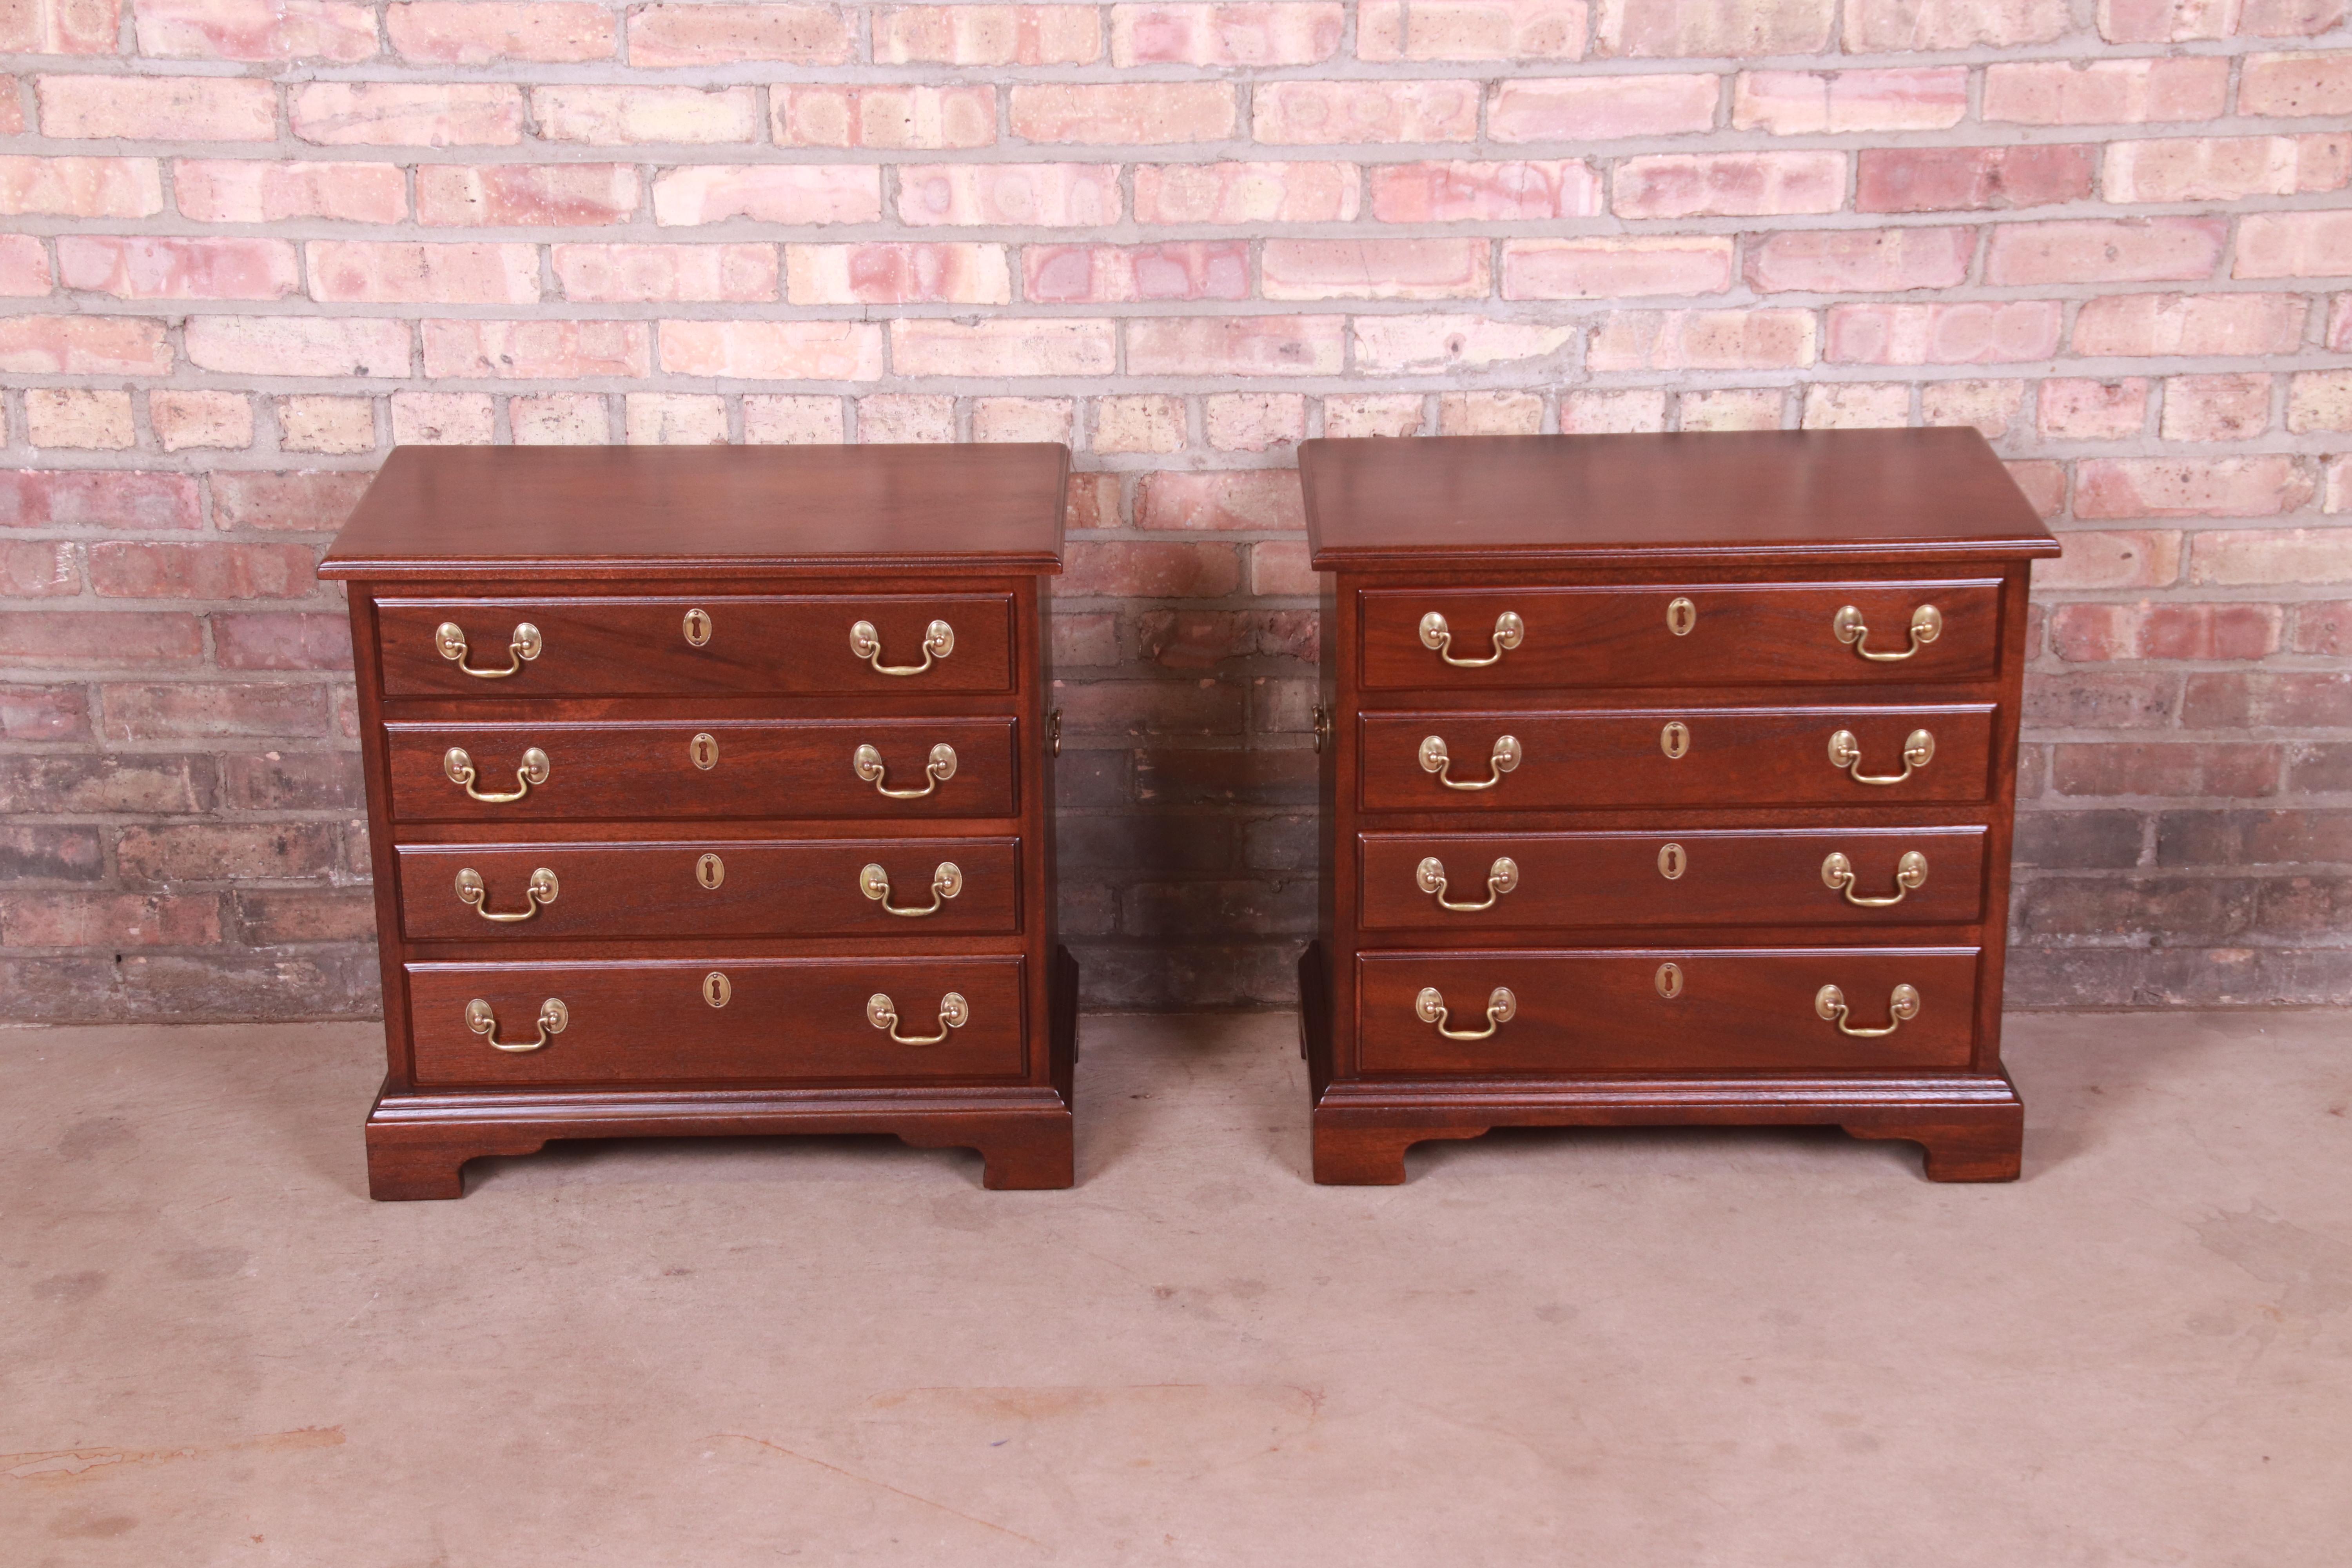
x=1673 y=1348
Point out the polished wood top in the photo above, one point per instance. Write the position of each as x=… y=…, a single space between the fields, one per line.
x=546 y=512
x=1764 y=497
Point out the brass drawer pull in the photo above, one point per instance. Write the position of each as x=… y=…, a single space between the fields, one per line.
x=1506 y=756
x=940 y=768
x=542 y=890
x=1430 y=1006
x=946 y=883
x=522 y=648
x=1501 y=877
x=1903 y=1006
x=883 y=1014
x=938 y=641
x=1845 y=753
x=1910 y=872
x=460 y=769
x=1926 y=625
x=1509 y=632
x=553 y=1018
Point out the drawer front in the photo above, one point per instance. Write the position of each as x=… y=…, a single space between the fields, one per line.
x=1504 y=881
x=1699 y=635
x=1608 y=1012
x=625 y=646
x=1673 y=757
x=732 y=888
x=781 y=1021
x=755 y=769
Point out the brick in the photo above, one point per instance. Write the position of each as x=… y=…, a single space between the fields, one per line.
x=211 y=852
x=2221 y=168
x=2167 y=769
x=629 y=116
x=672 y=419
x=1122 y=114
x=1601 y=107
x=2098 y=633
x=2107 y=92
x=1459 y=192
x=147 y=569
x=906 y=417
x=560 y=419
x=164 y=783
x=2189 y=487
x=1860 y=261
x=159 y=268
x=443 y=419
x=1342 y=112
x=108 y=499
x=1282 y=569
x=1198 y=707
x=495 y=32
x=2079 y=839
x=158 y=108
x=282 y=642
x=1185 y=270
x=297 y=346
x=1092 y=501
x=2289 y=19
x=197 y=710
x=74 y=639
x=1976 y=332
x=348 y=271
x=2136 y=701
x=1508 y=31
x=2266 y=699
x=80 y=187
x=1430 y=345
x=633 y=273
x=253 y=190
x=1263 y=499
x=257 y=31
x=1871 y=26
x=37 y=568
x=42 y=713
x=1132 y=570
x=1971 y=179
x=1003 y=347
x=2324 y=627
x=2263 y=557
x=1856 y=406
x=407 y=114
x=2293 y=245
x=1991 y=406
x=1687 y=28
x=981 y=34
x=1029 y=195
x=2295 y=86
x=662 y=36
x=1023 y=419
x=2253 y=838
x=895 y=273
x=12 y=108
x=1638 y=411
x=1704 y=339
x=74 y=417
x=183 y=420
x=2144 y=325
x=1495 y=413
x=2097 y=251
x=1732 y=408
x=571 y=195
x=308 y=424
x=2229 y=407
x=1234 y=345
x=2339 y=325
x=1145 y=424
x=1287 y=33
x=2080 y=410
x=24 y=267
x=774 y=350
x=59 y=28
x=2165 y=21
x=273 y=917
x=1614 y=268
x=49 y=852
x=310 y=500
x=785 y=421
x=1245 y=193
x=2113 y=558
x=1375 y=268
x=1203 y=639
x=1735 y=184
x=889 y=117
x=1372 y=413
x=84 y=345
x=538 y=350
x=802 y=193
x=1812 y=103
x=2318 y=400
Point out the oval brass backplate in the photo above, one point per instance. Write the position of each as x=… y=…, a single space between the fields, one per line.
x=704 y=750
x=1669 y=981
x=717 y=989
x=1674 y=740
x=710 y=870
x=1673 y=861
x=1681 y=616
x=697 y=627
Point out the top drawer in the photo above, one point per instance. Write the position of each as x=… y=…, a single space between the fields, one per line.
x=1758 y=634
x=624 y=646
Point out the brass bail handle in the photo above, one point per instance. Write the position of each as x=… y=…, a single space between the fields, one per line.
x=946 y=883
x=1506 y=756
x=938 y=641
x=540 y=890
x=1509 y=632
x=533 y=771
x=883 y=1014
x=1501 y=877
x=1910 y=872
x=1926 y=625
x=1902 y=1005
x=521 y=648
x=873 y=770
x=1501 y=1006
x=554 y=1017
x=1845 y=755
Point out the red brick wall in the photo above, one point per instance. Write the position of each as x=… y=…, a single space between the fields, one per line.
x=250 y=245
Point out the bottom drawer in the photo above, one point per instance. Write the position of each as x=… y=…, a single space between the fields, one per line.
x=740 y=1020
x=1667 y=1011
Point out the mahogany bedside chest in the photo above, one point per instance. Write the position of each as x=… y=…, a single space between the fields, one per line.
x=1666 y=779
x=710 y=791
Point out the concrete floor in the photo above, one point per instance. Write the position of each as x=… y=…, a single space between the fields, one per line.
x=1717 y=1347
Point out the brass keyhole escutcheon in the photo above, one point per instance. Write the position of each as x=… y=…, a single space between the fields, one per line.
x=704 y=750
x=717 y=989
x=1674 y=740
x=1673 y=861
x=1669 y=981
x=1681 y=616
x=710 y=870
x=697 y=627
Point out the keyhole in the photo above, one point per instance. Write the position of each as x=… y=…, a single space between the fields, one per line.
x=1672 y=861
x=1674 y=739
x=1681 y=617
x=1670 y=981
x=697 y=627
x=710 y=870
x=716 y=989
x=704 y=750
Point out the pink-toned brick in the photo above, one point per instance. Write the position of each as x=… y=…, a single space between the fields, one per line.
x=1026 y=196
x=158 y=108
x=2224 y=408
x=1637 y=411
x=1252 y=34
x=25 y=271
x=733 y=273
x=1235 y=345
x=981 y=34
x=319 y=423
x=2098 y=251
x=109 y=499
x=1134 y=569
x=74 y=417
x=800 y=193
x=2319 y=400
x=187 y=419
x=1810 y=103
x=890 y=117
x=353 y=271
x=1615 y=269
x=2138 y=325
x=1005 y=346
x=1375 y=269
x=2075 y=409
x=896 y=272
x=59 y=27
x=493 y=32
x=1447 y=344
x=1856 y=406
x=1506 y=31
x=153 y=267
x=1179 y=269
x=52 y=639
x=672 y=419
x=12 y=108
x=2292 y=85
x=2099 y=633
x=282 y=641
x=259 y=32
x=1261 y=499
x=628 y=116
x=1484 y=193
x=156 y=569
x=2257 y=557
x=2190 y=487
x=1759 y=339
x=1732 y=184
x=1123 y=113
x=662 y=36
x=1991 y=406
x=443 y=419
x=1389 y=413
x=1343 y=113
x=2107 y=92
x=1971 y=179
x=897 y=416
x=407 y=114
x=1860 y=261
x=2289 y=19
x=37 y=569
x=308 y=500
x=80 y=187
x=1732 y=408
x=1023 y=419
x=774 y=350
x=560 y=419
x=1601 y=107
x=1147 y=424
x=2114 y=559
x=1970 y=332
x=537 y=351
x=572 y=196
x=1696 y=28
x=2293 y=244
x=1245 y=193
x=254 y=190
x=2165 y=21
x=83 y=345
x=1876 y=25
x=2223 y=168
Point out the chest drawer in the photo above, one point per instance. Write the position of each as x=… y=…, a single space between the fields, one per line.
x=1667 y=1011
x=523 y=771
x=1504 y=881
x=712 y=888
x=1758 y=634
x=1489 y=760
x=801 y=644
x=779 y=1021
